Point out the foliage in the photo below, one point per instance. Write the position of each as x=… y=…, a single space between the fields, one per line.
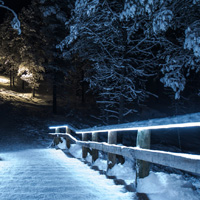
x=117 y=56
x=176 y=25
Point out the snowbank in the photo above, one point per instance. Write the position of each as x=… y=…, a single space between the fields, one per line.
x=158 y=185
x=162 y=186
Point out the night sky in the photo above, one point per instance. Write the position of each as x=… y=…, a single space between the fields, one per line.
x=16 y=5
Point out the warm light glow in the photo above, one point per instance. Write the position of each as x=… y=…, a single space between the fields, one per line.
x=166 y=126
x=4 y=80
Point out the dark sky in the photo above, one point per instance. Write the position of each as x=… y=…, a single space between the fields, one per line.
x=16 y=5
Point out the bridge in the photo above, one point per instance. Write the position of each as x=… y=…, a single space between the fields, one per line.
x=29 y=170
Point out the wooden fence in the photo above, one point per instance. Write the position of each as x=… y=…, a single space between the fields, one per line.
x=141 y=153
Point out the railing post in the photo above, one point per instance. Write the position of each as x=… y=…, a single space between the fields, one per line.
x=57 y=130
x=84 y=149
x=95 y=153
x=56 y=139
x=112 y=139
x=67 y=139
x=143 y=141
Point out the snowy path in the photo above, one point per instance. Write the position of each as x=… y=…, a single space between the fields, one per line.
x=38 y=174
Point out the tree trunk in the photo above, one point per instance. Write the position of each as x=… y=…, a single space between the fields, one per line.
x=54 y=95
x=10 y=79
x=13 y=80
x=121 y=109
x=82 y=88
x=33 y=92
x=23 y=84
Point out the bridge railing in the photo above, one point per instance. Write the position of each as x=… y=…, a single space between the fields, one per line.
x=141 y=152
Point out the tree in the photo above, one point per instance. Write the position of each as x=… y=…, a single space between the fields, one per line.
x=120 y=62
x=32 y=41
x=175 y=24
x=10 y=45
x=54 y=16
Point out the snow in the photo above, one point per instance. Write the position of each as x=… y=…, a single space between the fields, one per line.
x=125 y=171
x=50 y=174
x=162 y=186
x=23 y=97
x=157 y=186
x=101 y=164
x=62 y=145
x=4 y=80
x=76 y=150
x=192 y=38
x=15 y=23
x=7 y=95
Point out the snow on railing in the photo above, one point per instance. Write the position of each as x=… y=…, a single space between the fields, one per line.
x=142 y=152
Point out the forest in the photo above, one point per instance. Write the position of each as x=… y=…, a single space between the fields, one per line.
x=120 y=60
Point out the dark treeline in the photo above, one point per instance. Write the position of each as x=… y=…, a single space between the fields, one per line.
x=131 y=59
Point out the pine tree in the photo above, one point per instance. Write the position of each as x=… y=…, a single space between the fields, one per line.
x=10 y=45
x=54 y=16
x=98 y=34
x=175 y=24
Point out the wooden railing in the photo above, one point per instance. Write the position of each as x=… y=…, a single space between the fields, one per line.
x=142 y=153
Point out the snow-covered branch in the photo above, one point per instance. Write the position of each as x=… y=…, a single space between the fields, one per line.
x=15 y=22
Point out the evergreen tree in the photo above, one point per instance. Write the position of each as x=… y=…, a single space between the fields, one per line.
x=55 y=14
x=175 y=24
x=98 y=34
x=10 y=45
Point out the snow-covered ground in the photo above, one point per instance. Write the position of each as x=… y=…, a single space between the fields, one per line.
x=10 y=95
x=48 y=174
x=158 y=185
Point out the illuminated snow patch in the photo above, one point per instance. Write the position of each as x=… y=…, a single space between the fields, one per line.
x=4 y=80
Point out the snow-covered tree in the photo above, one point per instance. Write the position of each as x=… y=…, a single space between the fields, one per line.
x=176 y=25
x=121 y=61
x=31 y=52
x=9 y=52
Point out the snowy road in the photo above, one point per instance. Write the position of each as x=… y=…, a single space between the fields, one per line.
x=38 y=174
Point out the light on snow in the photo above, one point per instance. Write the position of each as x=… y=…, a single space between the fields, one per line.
x=182 y=125
x=4 y=80
x=166 y=126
